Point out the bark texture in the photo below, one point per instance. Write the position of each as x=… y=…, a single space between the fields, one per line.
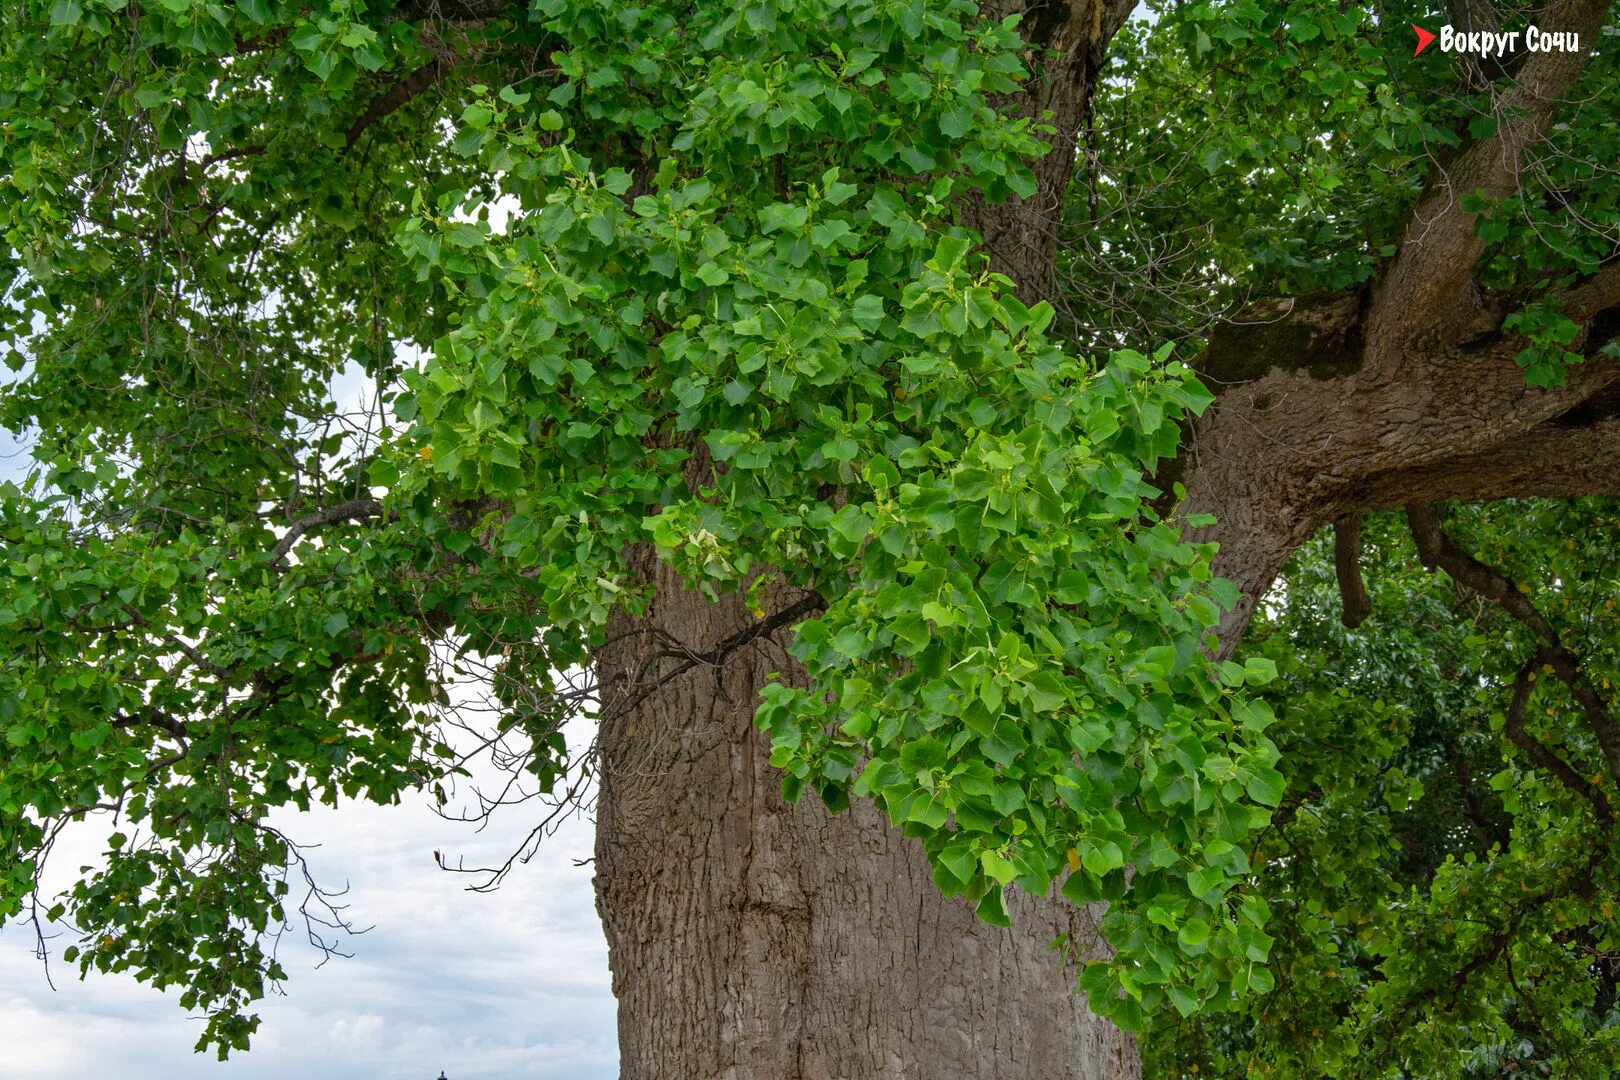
x=1070 y=46
x=751 y=940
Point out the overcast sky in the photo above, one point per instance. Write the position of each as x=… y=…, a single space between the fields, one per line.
x=511 y=985
x=507 y=985
x=502 y=986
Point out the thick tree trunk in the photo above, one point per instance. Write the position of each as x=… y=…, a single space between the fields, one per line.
x=751 y=940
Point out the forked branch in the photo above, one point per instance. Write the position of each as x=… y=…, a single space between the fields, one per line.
x=1437 y=549
x=1538 y=752
x=353 y=510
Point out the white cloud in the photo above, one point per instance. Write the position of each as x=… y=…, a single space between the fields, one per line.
x=502 y=986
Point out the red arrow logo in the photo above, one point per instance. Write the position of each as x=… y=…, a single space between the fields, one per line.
x=1424 y=37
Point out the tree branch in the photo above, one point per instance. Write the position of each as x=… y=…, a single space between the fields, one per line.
x=1431 y=276
x=1596 y=293
x=1347 y=567
x=1538 y=753
x=640 y=688
x=1550 y=461
x=460 y=10
x=355 y=509
x=1436 y=548
x=155 y=718
x=396 y=98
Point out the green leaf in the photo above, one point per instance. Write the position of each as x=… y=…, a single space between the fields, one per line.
x=1193 y=934
x=1259 y=670
x=1101 y=857
x=1265 y=785
x=997 y=868
x=1046 y=692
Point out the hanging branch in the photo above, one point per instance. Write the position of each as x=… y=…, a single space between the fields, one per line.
x=1538 y=752
x=1347 y=566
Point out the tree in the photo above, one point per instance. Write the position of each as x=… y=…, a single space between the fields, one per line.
x=1442 y=904
x=758 y=409
x=1441 y=866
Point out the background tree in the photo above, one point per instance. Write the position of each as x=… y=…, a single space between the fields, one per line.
x=735 y=393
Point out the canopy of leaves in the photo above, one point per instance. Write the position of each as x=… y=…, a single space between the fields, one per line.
x=730 y=313
x=693 y=276
x=1240 y=151
x=1443 y=898
x=1443 y=903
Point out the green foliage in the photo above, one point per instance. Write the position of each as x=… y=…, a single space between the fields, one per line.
x=1442 y=906
x=886 y=425
x=1550 y=334
x=694 y=277
x=1253 y=150
x=189 y=688
x=699 y=284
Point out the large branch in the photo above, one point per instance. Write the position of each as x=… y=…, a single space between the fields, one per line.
x=1548 y=462
x=1312 y=422
x=1317 y=418
x=1429 y=288
x=1069 y=40
x=1595 y=294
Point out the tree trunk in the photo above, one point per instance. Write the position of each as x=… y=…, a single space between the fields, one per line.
x=753 y=940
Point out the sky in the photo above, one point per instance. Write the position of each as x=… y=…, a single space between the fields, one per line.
x=510 y=985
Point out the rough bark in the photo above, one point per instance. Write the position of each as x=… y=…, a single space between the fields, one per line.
x=1070 y=46
x=1334 y=432
x=751 y=940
